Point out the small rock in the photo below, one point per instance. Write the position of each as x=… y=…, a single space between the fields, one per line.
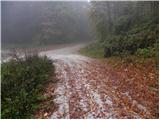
x=45 y=114
x=126 y=70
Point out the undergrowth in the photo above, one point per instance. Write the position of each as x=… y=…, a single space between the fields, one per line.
x=22 y=82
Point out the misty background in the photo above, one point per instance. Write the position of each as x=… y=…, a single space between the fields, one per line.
x=44 y=23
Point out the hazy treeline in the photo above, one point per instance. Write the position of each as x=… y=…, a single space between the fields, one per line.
x=126 y=27
x=44 y=22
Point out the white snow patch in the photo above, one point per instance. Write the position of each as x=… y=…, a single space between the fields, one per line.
x=127 y=94
x=139 y=106
x=96 y=98
x=91 y=115
x=60 y=90
x=108 y=100
x=83 y=104
x=62 y=99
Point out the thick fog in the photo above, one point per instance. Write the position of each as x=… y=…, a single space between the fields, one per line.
x=26 y=23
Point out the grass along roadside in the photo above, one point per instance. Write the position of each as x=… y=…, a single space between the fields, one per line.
x=135 y=64
x=96 y=50
x=22 y=84
x=136 y=75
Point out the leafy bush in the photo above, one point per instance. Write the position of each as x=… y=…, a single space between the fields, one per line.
x=151 y=51
x=122 y=29
x=21 y=84
x=143 y=52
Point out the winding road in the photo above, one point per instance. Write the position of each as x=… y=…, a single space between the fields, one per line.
x=88 y=89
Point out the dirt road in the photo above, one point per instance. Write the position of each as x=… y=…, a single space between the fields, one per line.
x=88 y=89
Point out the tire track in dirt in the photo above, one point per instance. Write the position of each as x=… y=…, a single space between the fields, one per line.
x=82 y=100
x=88 y=89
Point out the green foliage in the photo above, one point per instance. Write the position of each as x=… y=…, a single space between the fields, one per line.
x=93 y=50
x=143 y=52
x=21 y=84
x=122 y=24
x=127 y=27
x=148 y=52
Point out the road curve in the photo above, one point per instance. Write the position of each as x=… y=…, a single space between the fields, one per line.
x=87 y=89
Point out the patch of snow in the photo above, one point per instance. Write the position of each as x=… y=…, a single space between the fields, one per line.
x=60 y=90
x=139 y=106
x=83 y=104
x=62 y=100
x=96 y=98
x=127 y=94
x=108 y=100
x=90 y=115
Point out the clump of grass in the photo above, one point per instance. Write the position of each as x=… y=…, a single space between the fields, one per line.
x=94 y=50
x=22 y=81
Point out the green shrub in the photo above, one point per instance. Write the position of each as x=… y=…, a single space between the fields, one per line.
x=21 y=83
x=149 y=52
x=143 y=52
x=94 y=50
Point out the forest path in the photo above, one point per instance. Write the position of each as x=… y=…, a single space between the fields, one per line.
x=88 y=89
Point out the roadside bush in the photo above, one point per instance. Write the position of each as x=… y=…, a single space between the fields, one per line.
x=149 y=52
x=94 y=50
x=21 y=84
x=143 y=52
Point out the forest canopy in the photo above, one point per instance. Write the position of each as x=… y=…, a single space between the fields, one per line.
x=126 y=27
